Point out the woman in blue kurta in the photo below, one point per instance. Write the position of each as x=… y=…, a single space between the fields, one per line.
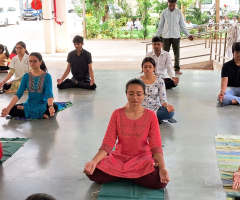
x=40 y=97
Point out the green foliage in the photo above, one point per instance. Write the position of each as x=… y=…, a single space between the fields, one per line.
x=159 y=6
x=92 y=27
x=78 y=10
x=126 y=8
x=154 y=20
x=143 y=10
x=141 y=34
x=196 y=17
x=186 y=3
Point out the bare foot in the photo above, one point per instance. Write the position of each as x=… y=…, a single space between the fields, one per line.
x=20 y=107
x=178 y=72
x=45 y=116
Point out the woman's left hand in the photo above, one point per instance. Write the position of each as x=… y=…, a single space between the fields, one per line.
x=236 y=179
x=164 y=177
x=170 y=108
x=51 y=111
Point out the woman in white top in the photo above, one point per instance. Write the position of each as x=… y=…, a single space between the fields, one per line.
x=155 y=98
x=19 y=65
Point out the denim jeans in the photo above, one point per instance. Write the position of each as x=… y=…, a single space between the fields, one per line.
x=162 y=113
x=233 y=93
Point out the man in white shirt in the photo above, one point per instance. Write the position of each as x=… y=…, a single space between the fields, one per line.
x=233 y=21
x=170 y=25
x=189 y=25
x=163 y=62
x=129 y=24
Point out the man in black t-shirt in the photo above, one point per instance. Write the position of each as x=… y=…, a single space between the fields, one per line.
x=80 y=64
x=230 y=84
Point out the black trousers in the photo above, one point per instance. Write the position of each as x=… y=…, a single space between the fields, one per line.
x=175 y=43
x=15 y=112
x=4 y=68
x=68 y=83
x=6 y=86
x=169 y=83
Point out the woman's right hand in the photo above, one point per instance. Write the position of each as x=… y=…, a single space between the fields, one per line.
x=5 y=112
x=1 y=84
x=90 y=167
x=170 y=108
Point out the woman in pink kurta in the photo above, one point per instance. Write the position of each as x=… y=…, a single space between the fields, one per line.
x=138 y=154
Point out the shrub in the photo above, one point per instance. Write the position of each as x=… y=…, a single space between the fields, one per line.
x=92 y=27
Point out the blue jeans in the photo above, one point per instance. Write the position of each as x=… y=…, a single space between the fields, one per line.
x=162 y=113
x=233 y=93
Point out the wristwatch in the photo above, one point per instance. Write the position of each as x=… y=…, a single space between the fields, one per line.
x=50 y=106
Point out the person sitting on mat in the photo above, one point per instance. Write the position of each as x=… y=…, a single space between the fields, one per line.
x=236 y=180
x=80 y=64
x=155 y=95
x=138 y=155
x=40 y=196
x=40 y=97
x=163 y=62
x=230 y=83
x=19 y=65
x=4 y=55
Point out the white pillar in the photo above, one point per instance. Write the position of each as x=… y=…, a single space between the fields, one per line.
x=49 y=35
x=61 y=31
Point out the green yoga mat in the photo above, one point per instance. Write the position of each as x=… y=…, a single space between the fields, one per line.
x=126 y=189
x=10 y=146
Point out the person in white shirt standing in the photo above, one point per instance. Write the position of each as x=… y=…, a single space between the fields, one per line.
x=163 y=62
x=170 y=25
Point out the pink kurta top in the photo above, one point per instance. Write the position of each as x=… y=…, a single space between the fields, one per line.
x=138 y=141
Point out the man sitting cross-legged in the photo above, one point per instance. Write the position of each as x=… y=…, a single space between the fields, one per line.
x=163 y=63
x=230 y=84
x=80 y=64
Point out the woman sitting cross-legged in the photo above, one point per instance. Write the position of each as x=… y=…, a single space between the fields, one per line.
x=40 y=97
x=18 y=66
x=155 y=94
x=138 y=155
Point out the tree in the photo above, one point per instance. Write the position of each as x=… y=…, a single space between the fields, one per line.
x=184 y=6
x=143 y=10
x=239 y=6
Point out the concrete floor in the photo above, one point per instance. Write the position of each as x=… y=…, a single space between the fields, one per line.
x=53 y=159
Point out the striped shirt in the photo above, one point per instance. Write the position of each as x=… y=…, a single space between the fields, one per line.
x=171 y=23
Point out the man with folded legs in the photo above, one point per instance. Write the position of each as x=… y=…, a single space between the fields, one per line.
x=163 y=62
x=80 y=64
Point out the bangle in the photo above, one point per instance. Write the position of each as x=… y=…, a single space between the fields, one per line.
x=222 y=92
x=50 y=106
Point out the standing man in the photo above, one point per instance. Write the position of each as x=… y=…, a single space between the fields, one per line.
x=80 y=64
x=170 y=25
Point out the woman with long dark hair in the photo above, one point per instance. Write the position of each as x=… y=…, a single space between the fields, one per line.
x=138 y=155
x=155 y=98
x=40 y=97
x=18 y=66
x=4 y=55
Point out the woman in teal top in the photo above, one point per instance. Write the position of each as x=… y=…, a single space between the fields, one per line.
x=40 y=97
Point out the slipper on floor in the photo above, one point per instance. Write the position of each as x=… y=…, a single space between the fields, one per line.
x=172 y=120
